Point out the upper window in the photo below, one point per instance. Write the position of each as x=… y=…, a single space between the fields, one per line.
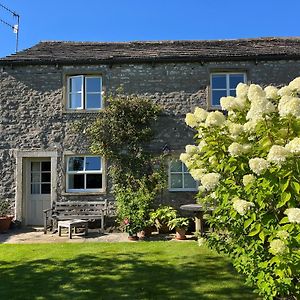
x=223 y=85
x=179 y=177
x=84 y=174
x=84 y=92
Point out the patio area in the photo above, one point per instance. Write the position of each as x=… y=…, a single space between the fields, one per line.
x=35 y=235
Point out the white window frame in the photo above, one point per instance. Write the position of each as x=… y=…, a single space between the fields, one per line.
x=83 y=92
x=182 y=173
x=228 y=89
x=84 y=172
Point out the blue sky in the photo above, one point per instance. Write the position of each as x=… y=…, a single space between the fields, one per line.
x=131 y=20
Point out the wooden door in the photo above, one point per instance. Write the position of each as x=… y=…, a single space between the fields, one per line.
x=38 y=178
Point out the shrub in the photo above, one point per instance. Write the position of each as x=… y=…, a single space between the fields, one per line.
x=248 y=165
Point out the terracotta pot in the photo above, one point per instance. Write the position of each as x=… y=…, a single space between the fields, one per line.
x=146 y=232
x=5 y=223
x=180 y=234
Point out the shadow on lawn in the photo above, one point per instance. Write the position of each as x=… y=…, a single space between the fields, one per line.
x=126 y=276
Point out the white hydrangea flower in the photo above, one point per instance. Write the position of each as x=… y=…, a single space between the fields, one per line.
x=289 y=105
x=200 y=114
x=213 y=195
x=260 y=107
x=241 y=206
x=235 y=129
x=213 y=160
x=248 y=179
x=210 y=181
x=197 y=174
x=278 y=154
x=184 y=157
x=235 y=149
x=201 y=188
x=294 y=146
x=293 y=215
x=283 y=234
x=271 y=92
x=258 y=165
x=277 y=246
x=285 y=91
x=255 y=92
x=242 y=90
x=215 y=118
x=295 y=84
x=191 y=149
x=250 y=125
x=191 y=120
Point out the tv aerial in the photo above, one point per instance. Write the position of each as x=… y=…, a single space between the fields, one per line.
x=14 y=27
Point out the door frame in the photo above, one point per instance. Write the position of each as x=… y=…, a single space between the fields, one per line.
x=21 y=157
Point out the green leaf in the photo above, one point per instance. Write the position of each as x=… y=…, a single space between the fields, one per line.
x=247 y=223
x=296 y=186
x=256 y=230
x=284 y=220
x=285 y=197
x=262 y=236
x=284 y=186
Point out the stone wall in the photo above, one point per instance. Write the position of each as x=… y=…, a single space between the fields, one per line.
x=33 y=115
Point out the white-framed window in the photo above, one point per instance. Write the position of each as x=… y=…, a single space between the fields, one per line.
x=84 y=174
x=84 y=92
x=180 y=179
x=223 y=85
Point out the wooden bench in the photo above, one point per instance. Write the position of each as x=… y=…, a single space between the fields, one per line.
x=71 y=210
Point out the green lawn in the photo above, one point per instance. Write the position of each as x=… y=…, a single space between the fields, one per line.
x=144 y=270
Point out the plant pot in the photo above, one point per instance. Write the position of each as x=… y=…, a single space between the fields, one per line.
x=5 y=223
x=146 y=232
x=180 y=234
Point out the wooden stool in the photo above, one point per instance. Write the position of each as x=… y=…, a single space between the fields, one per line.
x=70 y=224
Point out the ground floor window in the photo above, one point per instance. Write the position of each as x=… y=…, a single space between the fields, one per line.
x=179 y=177
x=84 y=174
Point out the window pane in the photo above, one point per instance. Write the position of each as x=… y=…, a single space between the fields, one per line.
x=176 y=181
x=35 y=177
x=93 y=101
x=46 y=166
x=75 y=84
x=218 y=82
x=76 y=163
x=94 y=181
x=235 y=79
x=46 y=188
x=74 y=100
x=189 y=181
x=35 y=189
x=93 y=163
x=93 y=85
x=46 y=177
x=216 y=95
x=76 y=181
x=176 y=166
x=35 y=166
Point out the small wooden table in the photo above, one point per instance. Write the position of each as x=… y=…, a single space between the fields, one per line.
x=198 y=210
x=70 y=224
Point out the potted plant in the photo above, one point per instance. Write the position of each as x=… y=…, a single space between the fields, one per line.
x=161 y=217
x=5 y=217
x=180 y=224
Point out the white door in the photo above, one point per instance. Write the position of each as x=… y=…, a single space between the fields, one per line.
x=38 y=189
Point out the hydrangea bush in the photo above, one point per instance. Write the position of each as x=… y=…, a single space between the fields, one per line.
x=247 y=162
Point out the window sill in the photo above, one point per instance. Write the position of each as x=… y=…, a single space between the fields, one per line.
x=84 y=193
x=82 y=111
x=183 y=190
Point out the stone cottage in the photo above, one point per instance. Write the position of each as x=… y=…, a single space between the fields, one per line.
x=44 y=89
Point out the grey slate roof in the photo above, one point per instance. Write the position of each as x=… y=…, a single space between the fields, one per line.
x=56 y=52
